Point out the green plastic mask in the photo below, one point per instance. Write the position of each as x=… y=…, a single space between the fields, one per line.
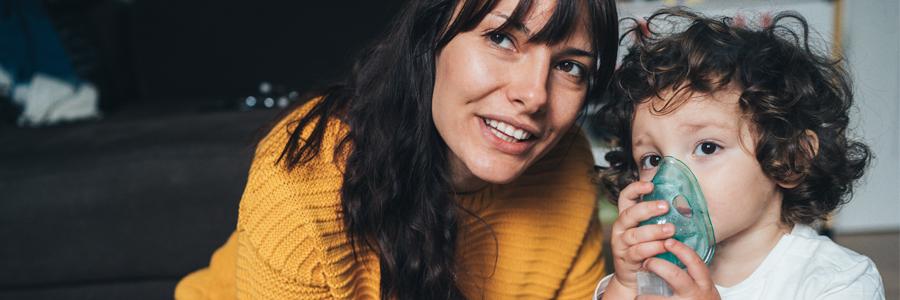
x=675 y=183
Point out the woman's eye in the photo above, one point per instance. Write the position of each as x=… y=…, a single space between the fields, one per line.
x=501 y=40
x=650 y=161
x=706 y=148
x=572 y=68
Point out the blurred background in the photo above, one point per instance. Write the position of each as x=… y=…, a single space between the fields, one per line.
x=126 y=126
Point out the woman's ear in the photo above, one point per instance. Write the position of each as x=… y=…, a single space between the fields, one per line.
x=811 y=147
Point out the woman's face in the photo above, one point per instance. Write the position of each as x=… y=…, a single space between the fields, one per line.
x=500 y=102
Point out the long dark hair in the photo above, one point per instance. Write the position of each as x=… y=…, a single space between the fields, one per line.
x=396 y=195
x=787 y=88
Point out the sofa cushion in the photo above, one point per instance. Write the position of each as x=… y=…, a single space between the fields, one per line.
x=121 y=199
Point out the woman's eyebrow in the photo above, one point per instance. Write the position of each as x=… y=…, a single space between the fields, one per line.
x=572 y=51
x=515 y=24
x=518 y=26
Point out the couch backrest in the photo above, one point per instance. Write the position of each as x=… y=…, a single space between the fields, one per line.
x=191 y=48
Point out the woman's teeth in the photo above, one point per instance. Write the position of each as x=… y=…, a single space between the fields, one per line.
x=506 y=132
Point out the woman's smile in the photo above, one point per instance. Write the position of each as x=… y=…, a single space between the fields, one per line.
x=507 y=132
x=506 y=137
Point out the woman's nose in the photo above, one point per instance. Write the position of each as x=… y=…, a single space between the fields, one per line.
x=529 y=87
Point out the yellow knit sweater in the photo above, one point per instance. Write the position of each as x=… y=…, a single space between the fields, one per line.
x=290 y=242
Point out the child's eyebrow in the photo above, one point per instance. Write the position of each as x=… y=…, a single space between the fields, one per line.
x=641 y=139
x=635 y=143
x=692 y=127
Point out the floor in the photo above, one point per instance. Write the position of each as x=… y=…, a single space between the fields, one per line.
x=882 y=247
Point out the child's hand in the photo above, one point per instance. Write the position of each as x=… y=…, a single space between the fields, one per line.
x=695 y=284
x=630 y=244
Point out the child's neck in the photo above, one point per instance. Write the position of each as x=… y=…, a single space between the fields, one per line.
x=737 y=257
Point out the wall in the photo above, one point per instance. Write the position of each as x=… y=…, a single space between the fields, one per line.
x=872 y=48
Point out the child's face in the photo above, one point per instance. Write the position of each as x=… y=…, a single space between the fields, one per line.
x=708 y=134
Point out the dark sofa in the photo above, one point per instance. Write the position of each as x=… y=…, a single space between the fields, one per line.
x=123 y=207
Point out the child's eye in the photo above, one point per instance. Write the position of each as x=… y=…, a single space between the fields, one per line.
x=706 y=148
x=572 y=68
x=500 y=39
x=650 y=161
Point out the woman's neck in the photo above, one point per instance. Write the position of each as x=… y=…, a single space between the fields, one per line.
x=462 y=179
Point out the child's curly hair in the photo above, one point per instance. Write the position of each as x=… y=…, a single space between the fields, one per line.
x=786 y=88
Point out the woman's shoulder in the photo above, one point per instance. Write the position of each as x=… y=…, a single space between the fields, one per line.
x=315 y=183
x=290 y=225
x=285 y=209
x=278 y=135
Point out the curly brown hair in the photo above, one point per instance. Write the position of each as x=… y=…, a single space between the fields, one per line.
x=787 y=89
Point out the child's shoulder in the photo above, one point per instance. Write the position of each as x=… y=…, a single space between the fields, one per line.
x=821 y=251
x=805 y=265
x=820 y=263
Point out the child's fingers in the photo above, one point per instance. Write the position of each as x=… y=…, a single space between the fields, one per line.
x=625 y=230
x=696 y=267
x=648 y=233
x=643 y=251
x=631 y=194
x=679 y=280
x=695 y=281
x=634 y=214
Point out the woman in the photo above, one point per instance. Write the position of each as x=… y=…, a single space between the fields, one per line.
x=444 y=167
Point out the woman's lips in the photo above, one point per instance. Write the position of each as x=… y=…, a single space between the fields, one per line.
x=507 y=142
x=506 y=131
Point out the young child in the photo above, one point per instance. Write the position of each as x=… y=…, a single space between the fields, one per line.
x=760 y=117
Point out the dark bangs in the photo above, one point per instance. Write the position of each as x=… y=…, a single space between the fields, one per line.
x=598 y=16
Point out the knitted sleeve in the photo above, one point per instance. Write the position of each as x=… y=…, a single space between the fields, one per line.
x=291 y=239
x=588 y=268
x=215 y=282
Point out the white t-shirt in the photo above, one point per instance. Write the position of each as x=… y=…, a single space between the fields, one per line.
x=805 y=265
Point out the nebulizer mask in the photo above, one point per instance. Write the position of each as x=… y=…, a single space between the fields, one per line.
x=675 y=183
